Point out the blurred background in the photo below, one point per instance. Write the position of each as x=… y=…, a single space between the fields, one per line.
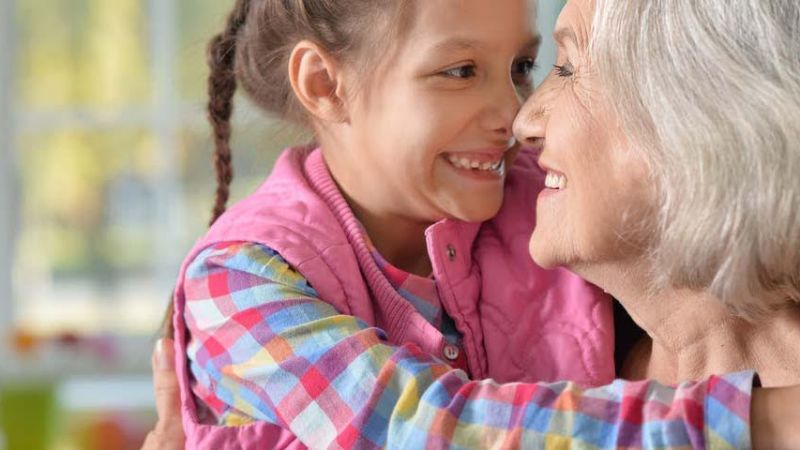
x=105 y=182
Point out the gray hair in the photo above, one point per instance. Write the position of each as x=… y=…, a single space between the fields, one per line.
x=709 y=91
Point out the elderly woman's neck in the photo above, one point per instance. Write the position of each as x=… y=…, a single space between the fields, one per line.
x=667 y=315
x=694 y=335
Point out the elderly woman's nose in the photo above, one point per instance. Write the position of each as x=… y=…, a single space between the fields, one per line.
x=531 y=121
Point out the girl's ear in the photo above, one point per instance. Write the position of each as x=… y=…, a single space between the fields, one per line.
x=317 y=83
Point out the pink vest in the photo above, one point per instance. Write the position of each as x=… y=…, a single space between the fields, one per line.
x=519 y=322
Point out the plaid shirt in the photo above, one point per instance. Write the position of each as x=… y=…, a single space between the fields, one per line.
x=265 y=347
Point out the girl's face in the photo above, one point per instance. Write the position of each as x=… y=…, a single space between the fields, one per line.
x=431 y=137
x=600 y=197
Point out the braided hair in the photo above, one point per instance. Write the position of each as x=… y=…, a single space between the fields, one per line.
x=221 y=88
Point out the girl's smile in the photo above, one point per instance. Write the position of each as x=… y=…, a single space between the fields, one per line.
x=487 y=164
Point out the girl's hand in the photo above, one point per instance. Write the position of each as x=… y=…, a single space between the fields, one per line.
x=775 y=418
x=168 y=432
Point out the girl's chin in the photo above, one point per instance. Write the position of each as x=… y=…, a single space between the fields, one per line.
x=476 y=212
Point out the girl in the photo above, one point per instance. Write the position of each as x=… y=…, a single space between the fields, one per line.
x=376 y=290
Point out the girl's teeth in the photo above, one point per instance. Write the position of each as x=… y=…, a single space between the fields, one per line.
x=463 y=163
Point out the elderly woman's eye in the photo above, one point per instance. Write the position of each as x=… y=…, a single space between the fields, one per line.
x=565 y=70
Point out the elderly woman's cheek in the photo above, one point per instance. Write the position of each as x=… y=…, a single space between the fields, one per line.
x=631 y=208
x=610 y=189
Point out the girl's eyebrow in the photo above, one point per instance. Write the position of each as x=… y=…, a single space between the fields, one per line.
x=455 y=44
x=461 y=43
x=534 y=42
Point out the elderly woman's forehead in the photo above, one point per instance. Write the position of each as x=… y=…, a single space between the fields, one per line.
x=577 y=17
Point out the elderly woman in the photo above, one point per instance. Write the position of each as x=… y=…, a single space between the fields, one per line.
x=670 y=133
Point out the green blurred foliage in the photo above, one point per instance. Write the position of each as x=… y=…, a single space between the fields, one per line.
x=67 y=187
x=82 y=53
x=90 y=187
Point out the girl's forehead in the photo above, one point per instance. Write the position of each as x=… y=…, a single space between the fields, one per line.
x=476 y=20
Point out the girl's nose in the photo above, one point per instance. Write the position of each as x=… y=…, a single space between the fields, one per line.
x=506 y=104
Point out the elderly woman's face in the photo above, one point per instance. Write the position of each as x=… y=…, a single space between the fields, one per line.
x=597 y=191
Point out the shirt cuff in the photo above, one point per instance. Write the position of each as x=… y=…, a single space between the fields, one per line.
x=727 y=410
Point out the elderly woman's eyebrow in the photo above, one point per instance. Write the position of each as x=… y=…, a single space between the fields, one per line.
x=564 y=34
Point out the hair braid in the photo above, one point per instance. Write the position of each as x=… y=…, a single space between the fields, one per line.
x=221 y=89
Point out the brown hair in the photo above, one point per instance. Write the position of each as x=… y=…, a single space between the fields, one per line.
x=254 y=48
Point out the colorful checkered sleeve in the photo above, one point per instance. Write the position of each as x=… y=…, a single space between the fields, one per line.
x=264 y=347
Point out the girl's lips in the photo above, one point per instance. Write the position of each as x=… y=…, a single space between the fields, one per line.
x=490 y=170
x=481 y=164
x=479 y=156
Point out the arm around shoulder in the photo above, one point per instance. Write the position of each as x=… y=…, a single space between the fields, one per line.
x=775 y=417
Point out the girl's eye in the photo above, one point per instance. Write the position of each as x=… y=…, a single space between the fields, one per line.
x=524 y=66
x=521 y=71
x=565 y=70
x=463 y=72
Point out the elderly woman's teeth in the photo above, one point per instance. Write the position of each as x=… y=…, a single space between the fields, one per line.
x=464 y=163
x=555 y=181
